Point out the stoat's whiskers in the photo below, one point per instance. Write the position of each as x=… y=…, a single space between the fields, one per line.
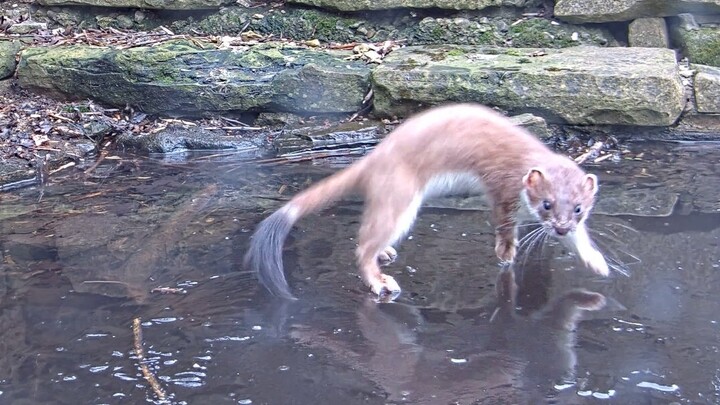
x=613 y=253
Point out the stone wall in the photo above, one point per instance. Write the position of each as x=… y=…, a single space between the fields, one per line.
x=305 y=76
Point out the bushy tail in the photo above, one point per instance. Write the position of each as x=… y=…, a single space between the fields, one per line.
x=264 y=256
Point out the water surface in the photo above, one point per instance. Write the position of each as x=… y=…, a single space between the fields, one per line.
x=162 y=241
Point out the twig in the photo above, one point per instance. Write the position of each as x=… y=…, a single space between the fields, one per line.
x=65 y=166
x=360 y=112
x=140 y=353
x=60 y=117
x=593 y=150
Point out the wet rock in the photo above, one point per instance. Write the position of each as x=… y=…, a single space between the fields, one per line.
x=341 y=135
x=8 y=50
x=183 y=79
x=707 y=89
x=184 y=139
x=588 y=85
x=16 y=174
x=144 y=4
x=357 y=5
x=648 y=32
x=581 y=11
x=700 y=45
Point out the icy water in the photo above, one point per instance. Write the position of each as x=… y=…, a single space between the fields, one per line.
x=162 y=241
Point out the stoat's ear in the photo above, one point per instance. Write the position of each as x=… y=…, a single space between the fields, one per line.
x=533 y=178
x=590 y=184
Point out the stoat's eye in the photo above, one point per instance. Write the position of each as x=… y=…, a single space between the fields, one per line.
x=578 y=209
x=547 y=205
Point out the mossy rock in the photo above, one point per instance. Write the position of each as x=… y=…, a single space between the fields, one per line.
x=8 y=51
x=701 y=45
x=544 y=33
x=581 y=85
x=182 y=78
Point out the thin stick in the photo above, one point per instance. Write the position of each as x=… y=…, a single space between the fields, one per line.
x=593 y=149
x=140 y=353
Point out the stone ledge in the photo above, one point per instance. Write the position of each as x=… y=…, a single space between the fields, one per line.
x=579 y=85
x=143 y=4
x=179 y=79
x=598 y=11
x=359 y=5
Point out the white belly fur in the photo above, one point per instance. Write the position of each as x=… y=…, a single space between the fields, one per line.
x=453 y=183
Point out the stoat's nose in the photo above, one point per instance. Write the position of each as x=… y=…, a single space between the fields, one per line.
x=562 y=230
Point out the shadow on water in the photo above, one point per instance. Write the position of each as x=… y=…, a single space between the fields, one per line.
x=163 y=241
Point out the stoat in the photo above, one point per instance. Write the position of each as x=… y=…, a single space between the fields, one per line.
x=433 y=153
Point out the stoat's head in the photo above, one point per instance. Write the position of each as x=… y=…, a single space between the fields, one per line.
x=560 y=198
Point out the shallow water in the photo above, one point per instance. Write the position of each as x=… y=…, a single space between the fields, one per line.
x=82 y=255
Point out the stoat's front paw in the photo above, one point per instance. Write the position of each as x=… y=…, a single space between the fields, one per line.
x=385 y=287
x=596 y=262
x=505 y=250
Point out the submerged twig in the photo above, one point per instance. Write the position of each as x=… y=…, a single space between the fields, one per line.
x=595 y=148
x=140 y=353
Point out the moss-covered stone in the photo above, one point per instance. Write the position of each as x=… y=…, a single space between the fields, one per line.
x=544 y=33
x=596 y=11
x=8 y=50
x=701 y=45
x=456 y=31
x=578 y=85
x=358 y=5
x=707 y=89
x=151 y=4
x=180 y=78
x=414 y=28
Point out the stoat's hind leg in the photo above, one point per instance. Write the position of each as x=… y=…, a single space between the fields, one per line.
x=387 y=218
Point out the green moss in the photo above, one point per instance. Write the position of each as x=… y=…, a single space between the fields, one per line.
x=456 y=52
x=702 y=46
x=81 y=108
x=513 y=52
x=539 y=33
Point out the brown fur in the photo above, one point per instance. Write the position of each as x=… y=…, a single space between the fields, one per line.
x=511 y=164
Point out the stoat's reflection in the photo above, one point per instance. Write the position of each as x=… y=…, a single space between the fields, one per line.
x=517 y=362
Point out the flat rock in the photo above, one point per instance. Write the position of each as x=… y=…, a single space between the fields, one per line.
x=649 y=33
x=149 y=4
x=181 y=79
x=583 y=11
x=174 y=140
x=357 y=5
x=8 y=50
x=707 y=89
x=578 y=85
